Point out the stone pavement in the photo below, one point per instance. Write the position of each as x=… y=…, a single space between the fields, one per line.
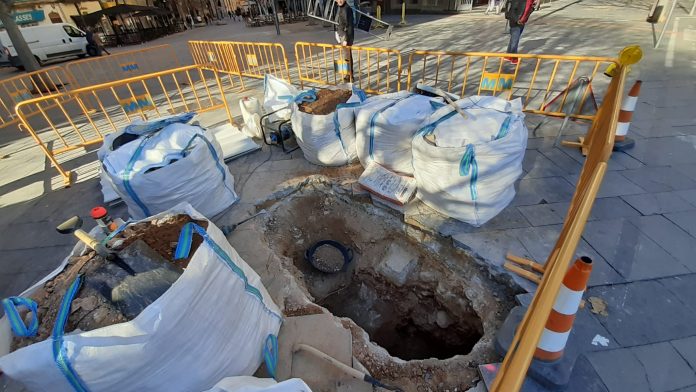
x=641 y=234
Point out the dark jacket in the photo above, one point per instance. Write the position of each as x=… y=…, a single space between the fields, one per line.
x=345 y=23
x=518 y=11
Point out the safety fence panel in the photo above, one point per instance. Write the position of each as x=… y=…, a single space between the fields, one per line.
x=122 y=65
x=28 y=86
x=81 y=117
x=547 y=84
x=249 y=59
x=375 y=70
x=599 y=142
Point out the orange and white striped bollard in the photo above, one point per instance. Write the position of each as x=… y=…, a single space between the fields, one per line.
x=560 y=322
x=621 y=141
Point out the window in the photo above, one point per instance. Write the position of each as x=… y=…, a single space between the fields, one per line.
x=55 y=17
x=73 y=32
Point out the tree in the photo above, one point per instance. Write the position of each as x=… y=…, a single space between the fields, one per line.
x=25 y=56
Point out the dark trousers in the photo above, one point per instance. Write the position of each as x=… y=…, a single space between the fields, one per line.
x=515 y=34
x=348 y=55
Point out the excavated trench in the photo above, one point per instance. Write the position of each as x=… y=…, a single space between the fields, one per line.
x=422 y=314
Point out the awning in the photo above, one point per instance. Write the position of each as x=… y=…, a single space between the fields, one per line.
x=93 y=18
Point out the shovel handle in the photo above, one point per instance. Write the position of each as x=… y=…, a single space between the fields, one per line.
x=90 y=241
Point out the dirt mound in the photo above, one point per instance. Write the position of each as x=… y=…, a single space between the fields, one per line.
x=326 y=102
x=92 y=307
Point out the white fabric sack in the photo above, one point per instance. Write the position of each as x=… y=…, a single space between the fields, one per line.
x=198 y=175
x=328 y=140
x=212 y=323
x=253 y=384
x=277 y=94
x=251 y=115
x=385 y=125
x=473 y=181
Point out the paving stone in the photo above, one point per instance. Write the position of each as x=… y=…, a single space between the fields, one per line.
x=691 y=388
x=687 y=349
x=613 y=184
x=539 y=242
x=544 y=214
x=620 y=370
x=657 y=203
x=532 y=191
x=610 y=208
x=685 y=219
x=688 y=195
x=659 y=179
x=632 y=253
x=683 y=287
x=665 y=367
x=540 y=143
x=553 y=213
x=563 y=160
x=670 y=237
x=665 y=151
x=644 y=312
x=537 y=165
x=492 y=246
x=687 y=170
x=420 y=215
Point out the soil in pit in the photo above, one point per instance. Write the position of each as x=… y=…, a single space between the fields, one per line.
x=432 y=307
x=93 y=306
x=326 y=102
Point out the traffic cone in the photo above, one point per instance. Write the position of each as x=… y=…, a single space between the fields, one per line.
x=621 y=141
x=560 y=322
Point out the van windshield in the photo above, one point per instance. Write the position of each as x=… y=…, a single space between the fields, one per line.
x=72 y=32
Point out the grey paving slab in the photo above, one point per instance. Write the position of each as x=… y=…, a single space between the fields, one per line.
x=683 y=287
x=563 y=160
x=659 y=179
x=613 y=184
x=644 y=312
x=691 y=388
x=688 y=195
x=665 y=367
x=687 y=170
x=687 y=349
x=553 y=213
x=539 y=242
x=543 y=190
x=665 y=151
x=536 y=165
x=669 y=237
x=619 y=370
x=544 y=214
x=685 y=219
x=540 y=143
x=657 y=203
x=610 y=208
x=632 y=253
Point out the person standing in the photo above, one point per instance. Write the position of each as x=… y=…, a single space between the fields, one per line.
x=345 y=35
x=493 y=6
x=517 y=13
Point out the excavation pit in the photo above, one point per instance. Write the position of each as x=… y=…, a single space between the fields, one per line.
x=422 y=313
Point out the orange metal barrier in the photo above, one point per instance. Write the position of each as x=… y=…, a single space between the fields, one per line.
x=28 y=86
x=71 y=125
x=121 y=65
x=599 y=141
x=547 y=84
x=250 y=59
x=375 y=70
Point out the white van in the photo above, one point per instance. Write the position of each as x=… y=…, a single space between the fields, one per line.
x=48 y=43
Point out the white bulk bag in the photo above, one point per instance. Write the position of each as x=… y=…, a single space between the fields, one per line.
x=162 y=168
x=329 y=139
x=212 y=323
x=385 y=125
x=276 y=94
x=251 y=115
x=253 y=384
x=469 y=173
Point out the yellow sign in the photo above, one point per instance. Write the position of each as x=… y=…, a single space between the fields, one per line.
x=251 y=60
x=497 y=82
x=139 y=102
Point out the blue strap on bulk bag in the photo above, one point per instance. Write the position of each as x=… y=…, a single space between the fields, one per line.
x=60 y=356
x=270 y=354
x=16 y=323
x=468 y=166
x=373 y=121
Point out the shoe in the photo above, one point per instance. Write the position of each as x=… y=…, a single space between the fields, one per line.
x=512 y=60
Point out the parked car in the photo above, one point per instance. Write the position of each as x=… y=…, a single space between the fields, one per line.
x=57 y=41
